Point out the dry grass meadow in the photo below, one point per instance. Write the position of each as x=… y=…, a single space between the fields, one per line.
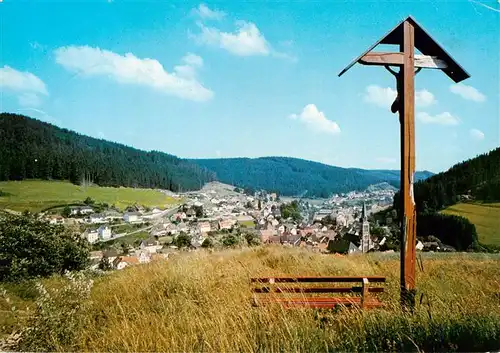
x=200 y=302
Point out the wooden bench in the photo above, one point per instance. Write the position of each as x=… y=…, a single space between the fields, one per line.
x=313 y=291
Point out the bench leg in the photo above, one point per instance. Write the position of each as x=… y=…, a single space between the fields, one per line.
x=364 y=292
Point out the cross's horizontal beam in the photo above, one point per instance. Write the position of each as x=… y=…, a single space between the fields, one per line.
x=396 y=59
x=429 y=62
x=374 y=58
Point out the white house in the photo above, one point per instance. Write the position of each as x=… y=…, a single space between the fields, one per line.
x=81 y=210
x=104 y=232
x=150 y=245
x=56 y=220
x=225 y=224
x=156 y=210
x=419 y=246
x=132 y=217
x=341 y=220
x=92 y=236
x=97 y=218
x=204 y=227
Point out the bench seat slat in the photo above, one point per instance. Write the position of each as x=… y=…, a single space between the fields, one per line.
x=321 y=302
x=316 y=290
x=317 y=279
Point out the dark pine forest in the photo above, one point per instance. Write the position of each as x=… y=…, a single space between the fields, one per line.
x=477 y=178
x=31 y=149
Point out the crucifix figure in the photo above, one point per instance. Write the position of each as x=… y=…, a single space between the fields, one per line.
x=409 y=35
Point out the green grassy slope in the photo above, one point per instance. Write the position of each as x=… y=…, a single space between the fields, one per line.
x=485 y=216
x=36 y=195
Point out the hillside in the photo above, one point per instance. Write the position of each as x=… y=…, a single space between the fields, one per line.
x=476 y=180
x=478 y=177
x=37 y=195
x=485 y=216
x=293 y=176
x=31 y=149
x=200 y=302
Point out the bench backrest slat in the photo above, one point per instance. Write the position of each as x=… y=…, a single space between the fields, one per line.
x=343 y=279
x=316 y=290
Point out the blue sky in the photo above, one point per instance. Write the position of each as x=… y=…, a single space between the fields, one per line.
x=252 y=78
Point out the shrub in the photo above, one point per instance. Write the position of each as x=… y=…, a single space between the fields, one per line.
x=31 y=248
x=207 y=243
x=229 y=240
x=58 y=315
x=89 y=201
x=251 y=239
x=183 y=240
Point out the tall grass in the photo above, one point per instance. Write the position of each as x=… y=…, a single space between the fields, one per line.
x=201 y=302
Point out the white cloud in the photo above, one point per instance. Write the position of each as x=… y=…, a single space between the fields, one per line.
x=384 y=97
x=204 y=12
x=25 y=85
x=247 y=40
x=130 y=69
x=191 y=63
x=193 y=60
x=467 y=92
x=424 y=98
x=316 y=120
x=444 y=118
x=19 y=81
x=476 y=134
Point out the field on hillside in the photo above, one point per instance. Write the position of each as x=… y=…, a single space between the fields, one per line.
x=485 y=216
x=36 y=195
x=201 y=302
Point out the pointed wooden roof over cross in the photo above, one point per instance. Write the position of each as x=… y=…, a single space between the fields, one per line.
x=434 y=55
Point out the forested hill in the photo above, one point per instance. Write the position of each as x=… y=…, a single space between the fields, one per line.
x=478 y=177
x=33 y=149
x=292 y=176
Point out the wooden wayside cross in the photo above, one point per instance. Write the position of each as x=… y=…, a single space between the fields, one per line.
x=409 y=35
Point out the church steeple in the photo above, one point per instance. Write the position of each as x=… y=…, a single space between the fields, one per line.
x=366 y=244
x=363 y=213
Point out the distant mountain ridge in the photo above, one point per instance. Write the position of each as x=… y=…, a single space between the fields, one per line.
x=32 y=149
x=292 y=176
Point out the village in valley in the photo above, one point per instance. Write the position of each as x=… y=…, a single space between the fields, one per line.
x=221 y=215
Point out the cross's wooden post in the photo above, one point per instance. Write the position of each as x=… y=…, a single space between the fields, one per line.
x=408 y=35
x=407 y=122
